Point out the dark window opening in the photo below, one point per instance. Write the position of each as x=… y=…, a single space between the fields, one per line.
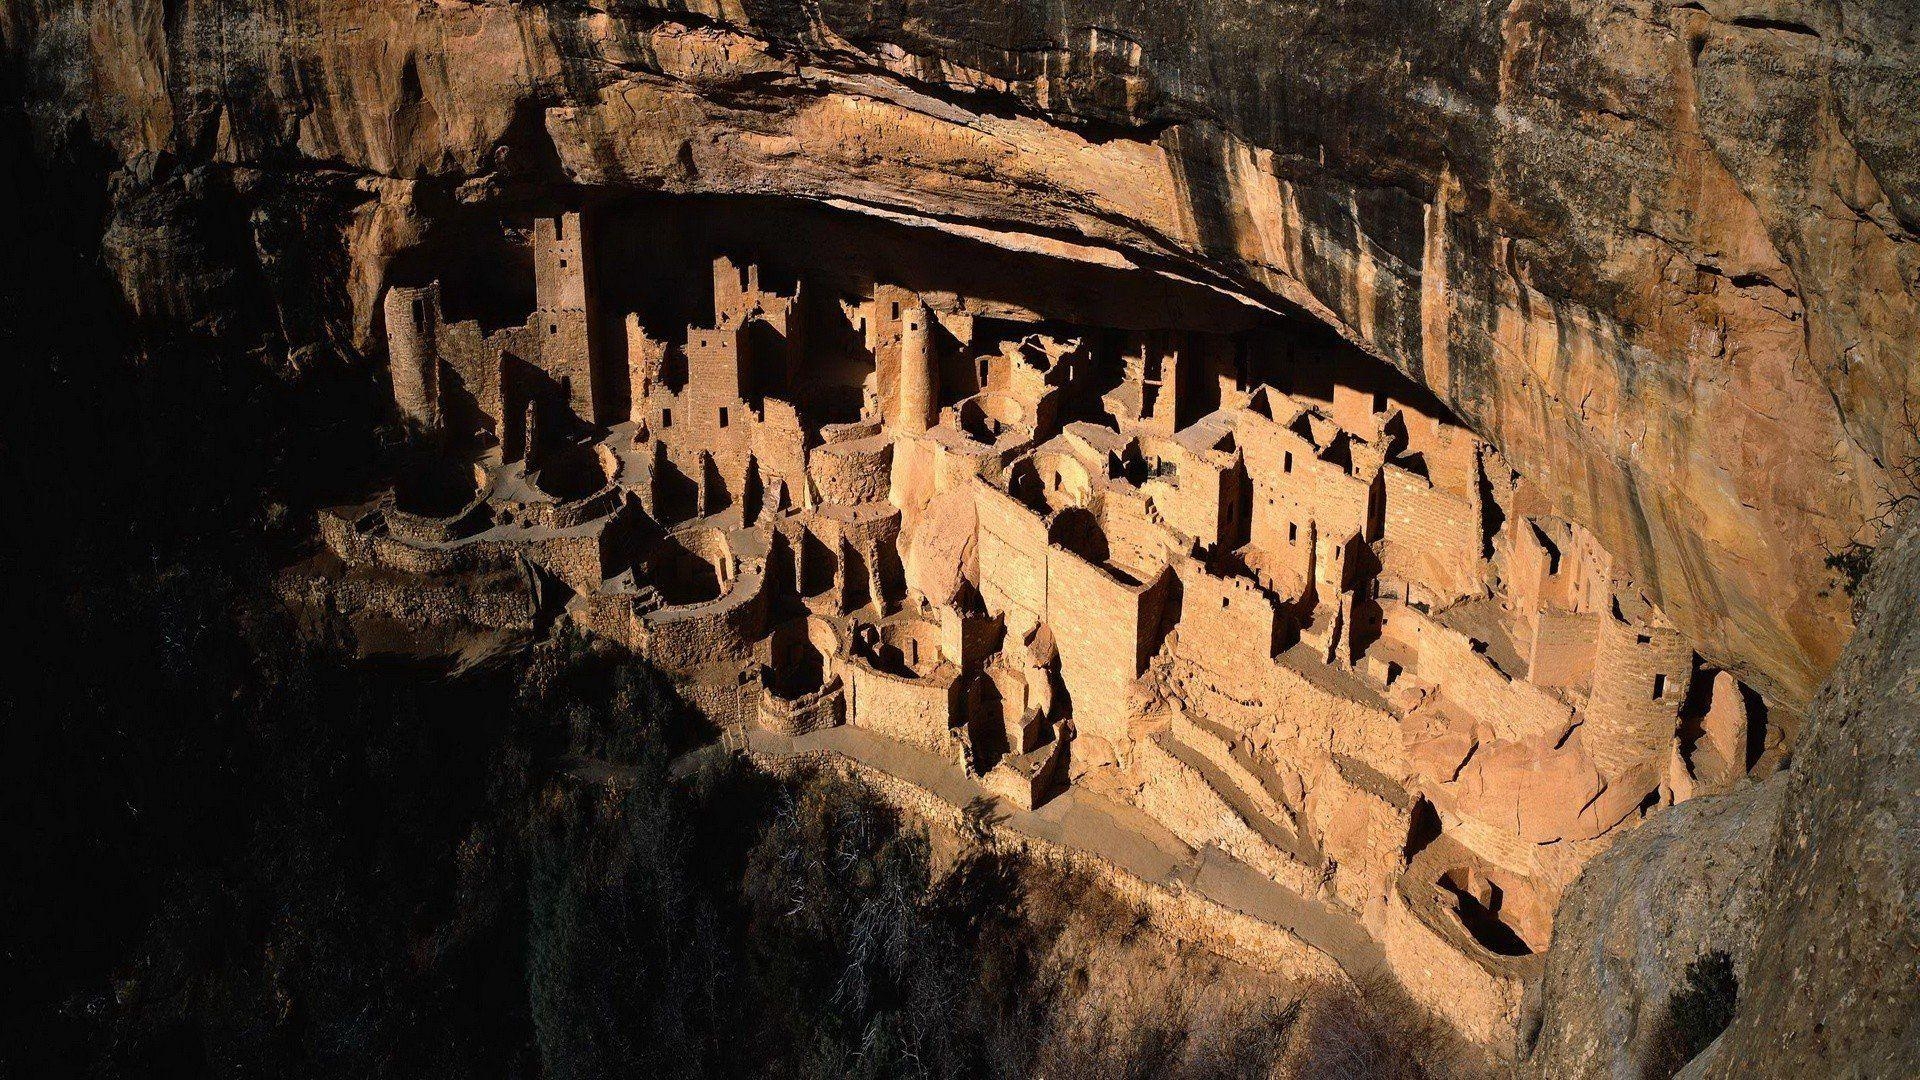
x=1659 y=687
x=723 y=416
x=1423 y=828
x=666 y=418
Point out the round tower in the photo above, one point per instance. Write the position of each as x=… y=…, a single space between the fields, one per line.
x=918 y=406
x=413 y=360
x=1640 y=677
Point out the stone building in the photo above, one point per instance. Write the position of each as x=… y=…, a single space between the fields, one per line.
x=1305 y=629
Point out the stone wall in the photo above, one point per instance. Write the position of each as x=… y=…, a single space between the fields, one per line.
x=918 y=711
x=1640 y=678
x=1433 y=538
x=1510 y=708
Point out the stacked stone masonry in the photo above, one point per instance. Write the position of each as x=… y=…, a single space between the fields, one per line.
x=1308 y=627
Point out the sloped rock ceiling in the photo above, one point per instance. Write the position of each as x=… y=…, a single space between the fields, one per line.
x=1662 y=254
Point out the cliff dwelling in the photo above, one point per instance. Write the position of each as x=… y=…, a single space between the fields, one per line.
x=1088 y=541
x=963 y=539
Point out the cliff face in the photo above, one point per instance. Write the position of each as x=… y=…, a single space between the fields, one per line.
x=1660 y=254
x=1806 y=882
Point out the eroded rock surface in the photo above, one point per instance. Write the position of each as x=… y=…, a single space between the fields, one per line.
x=1680 y=888
x=1831 y=987
x=1807 y=882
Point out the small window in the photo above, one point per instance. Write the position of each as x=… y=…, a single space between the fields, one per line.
x=560 y=228
x=1643 y=639
x=553 y=328
x=420 y=314
x=1056 y=481
x=1223 y=601
x=983 y=373
x=1287 y=465
x=563 y=264
x=1379 y=402
x=1293 y=533
x=913 y=652
x=1659 y=687
x=666 y=418
x=896 y=310
x=913 y=325
x=723 y=416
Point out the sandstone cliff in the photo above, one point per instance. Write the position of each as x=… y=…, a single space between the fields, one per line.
x=1660 y=253
x=1807 y=882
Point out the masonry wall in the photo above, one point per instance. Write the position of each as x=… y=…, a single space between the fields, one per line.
x=680 y=638
x=1134 y=542
x=1433 y=538
x=1510 y=708
x=1563 y=649
x=852 y=471
x=1293 y=487
x=1640 y=679
x=413 y=322
x=1196 y=502
x=1013 y=557
x=472 y=366
x=1100 y=638
x=915 y=711
x=779 y=446
x=1226 y=623
x=1579 y=583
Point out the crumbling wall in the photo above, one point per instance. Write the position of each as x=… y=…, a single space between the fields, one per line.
x=1640 y=679
x=1226 y=623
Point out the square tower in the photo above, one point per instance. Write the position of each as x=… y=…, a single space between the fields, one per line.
x=562 y=321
